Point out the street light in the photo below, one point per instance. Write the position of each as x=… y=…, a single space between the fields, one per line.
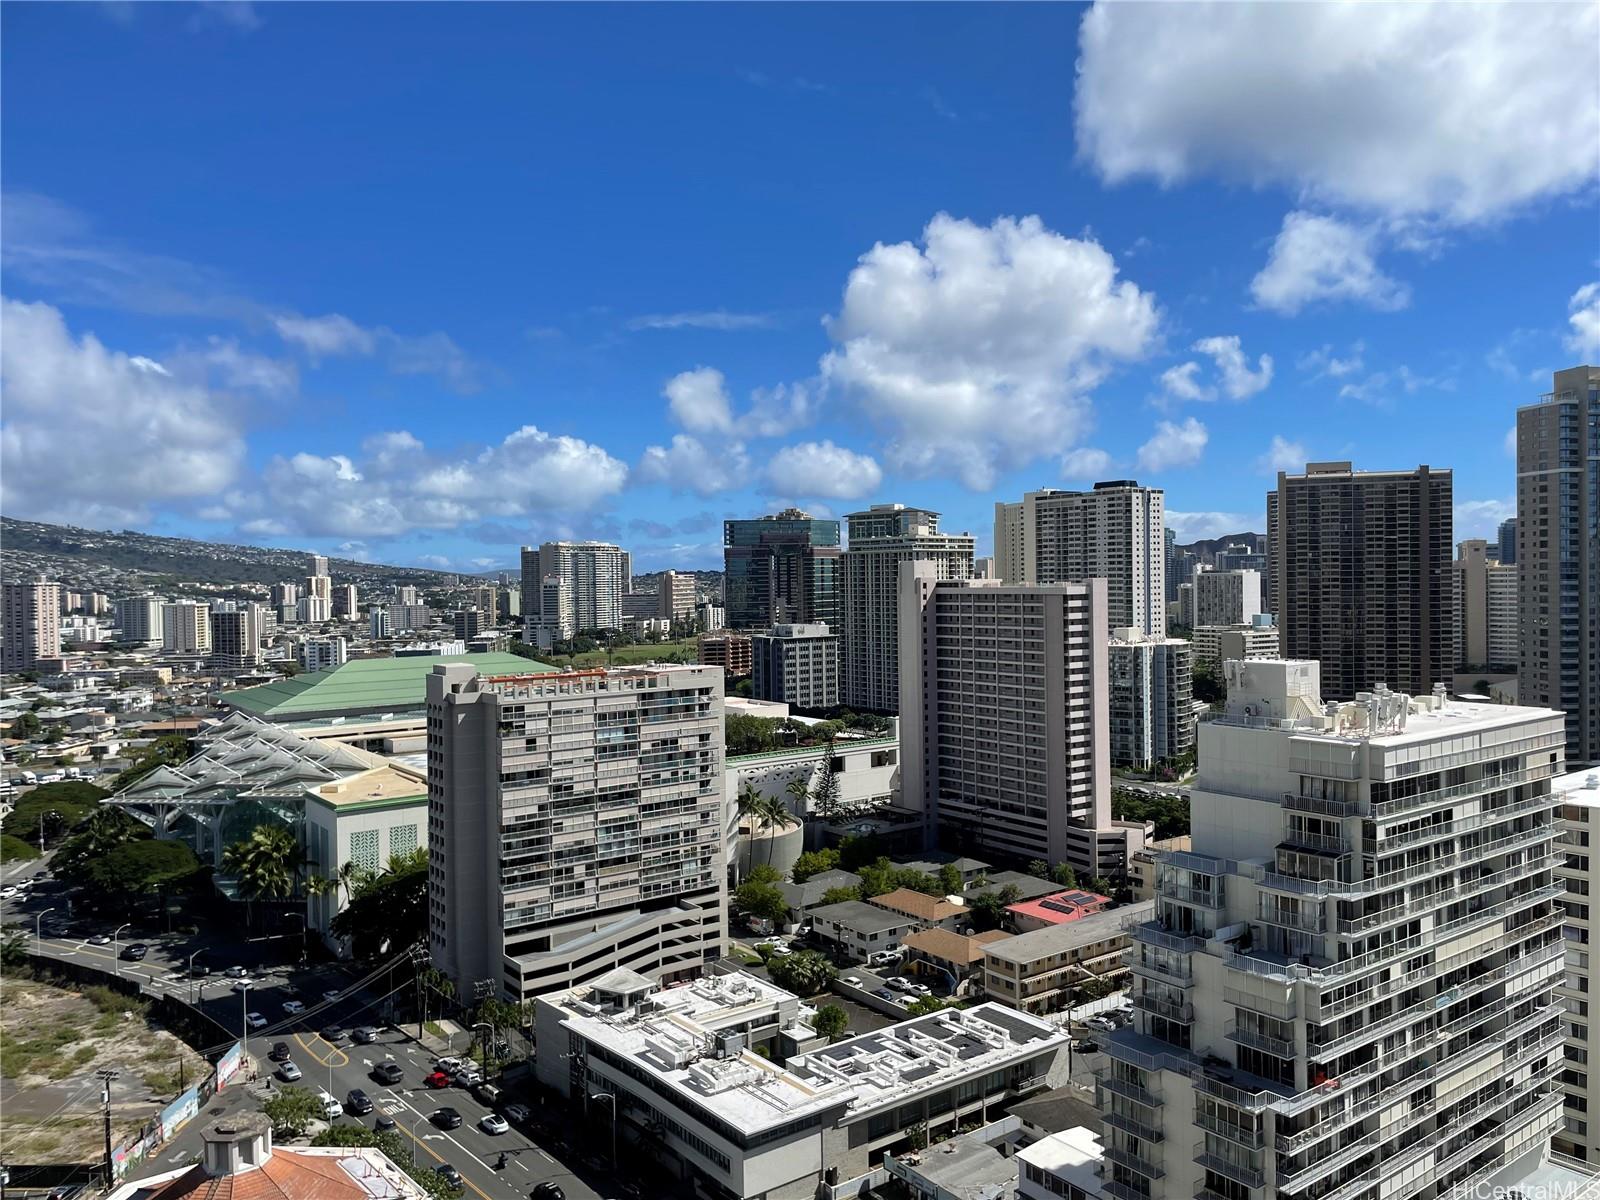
x=613 y=1099
x=483 y=1043
x=37 y=920
x=116 y=957
x=189 y=970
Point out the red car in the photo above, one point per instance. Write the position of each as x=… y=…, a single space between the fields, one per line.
x=438 y=1079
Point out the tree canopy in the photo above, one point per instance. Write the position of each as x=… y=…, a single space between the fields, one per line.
x=291 y=1111
x=391 y=908
x=814 y=862
x=147 y=867
x=1169 y=812
x=883 y=876
x=167 y=749
x=62 y=805
x=830 y=1021
x=760 y=900
x=804 y=974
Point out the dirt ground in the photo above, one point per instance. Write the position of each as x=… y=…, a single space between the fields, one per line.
x=52 y=1041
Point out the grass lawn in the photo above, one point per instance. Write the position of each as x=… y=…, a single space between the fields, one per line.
x=680 y=651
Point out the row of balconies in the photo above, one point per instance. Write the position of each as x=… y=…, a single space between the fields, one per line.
x=1242 y=1173
x=1443 y=829
x=1383 y=810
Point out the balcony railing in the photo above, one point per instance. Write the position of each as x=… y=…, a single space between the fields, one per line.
x=1384 y=810
x=1320 y=842
x=1133 y=1126
x=1387 y=843
x=1281 y=1047
x=1240 y=1173
x=1204 y=897
x=1180 y=973
x=1152 y=934
x=1130 y=1091
x=1133 y=1162
x=1317 y=806
x=1172 y=1010
x=1249 y=1136
x=1310 y=920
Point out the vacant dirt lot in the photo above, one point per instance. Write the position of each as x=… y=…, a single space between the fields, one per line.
x=52 y=1041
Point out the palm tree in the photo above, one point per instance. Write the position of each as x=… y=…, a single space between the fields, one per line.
x=772 y=814
x=799 y=789
x=266 y=865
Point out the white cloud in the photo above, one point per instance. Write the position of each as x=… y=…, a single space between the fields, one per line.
x=1174 y=445
x=1238 y=380
x=232 y=366
x=977 y=351
x=1235 y=378
x=690 y=465
x=325 y=337
x=1481 y=518
x=823 y=469
x=1584 y=307
x=1182 y=382
x=95 y=436
x=1382 y=388
x=1085 y=463
x=718 y=319
x=1283 y=455
x=397 y=485
x=1324 y=363
x=1318 y=258
x=1464 y=112
x=1192 y=526
x=699 y=401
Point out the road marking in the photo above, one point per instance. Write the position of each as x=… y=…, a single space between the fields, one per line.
x=337 y=1059
x=523 y=1165
x=421 y=1142
x=546 y=1157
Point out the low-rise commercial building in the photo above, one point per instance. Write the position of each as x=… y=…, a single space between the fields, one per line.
x=796 y=664
x=680 y=1064
x=951 y=963
x=857 y=930
x=730 y=651
x=930 y=912
x=1216 y=644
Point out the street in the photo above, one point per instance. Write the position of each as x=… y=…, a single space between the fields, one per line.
x=337 y=1065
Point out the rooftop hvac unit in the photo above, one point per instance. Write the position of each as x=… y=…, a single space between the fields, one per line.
x=729 y=1045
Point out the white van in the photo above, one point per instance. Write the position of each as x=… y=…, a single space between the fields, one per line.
x=331 y=1108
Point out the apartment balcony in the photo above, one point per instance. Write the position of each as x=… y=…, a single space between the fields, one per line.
x=1385 y=810
x=1178 y=972
x=1155 y=933
x=1241 y=1173
x=1283 y=1008
x=1390 y=880
x=1320 y=843
x=1128 y=1091
x=1172 y=1010
x=1203 y=897
x=1133 y=1162
x=1133 y=1126
x=1387 y=843
x=1121 y=1191
x=1250 y=1137
x=1308 y=920
x=1280 y=1047
x=1318 y=807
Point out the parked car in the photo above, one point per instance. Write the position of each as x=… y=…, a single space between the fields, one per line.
x=898 y=984
x=388 y=1072
x=437 y=1079
x=255 y=1020
x=294 y=1007
x=332 y=995
x=493 y=1123
x=852 y=980
x=921 y=989
x=135 y=952
x=519 y=1113
x=469 y=1077
x=490 y=1093
x=1088 y=1047
x=288 y=1071
x=881 y=958
x=446 y=1118
x=280 y=1052
x=358 y=1103
x=885 y=994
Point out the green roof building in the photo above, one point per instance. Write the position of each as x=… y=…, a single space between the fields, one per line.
x=364 y=687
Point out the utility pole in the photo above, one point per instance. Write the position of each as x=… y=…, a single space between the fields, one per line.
x=481 y=991
x=106 y=1076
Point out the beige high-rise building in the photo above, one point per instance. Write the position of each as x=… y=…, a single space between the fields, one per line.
x=1579 y=872
x=1226 y=597
x=880 y=539
x=1116 y=531
x=321 y=587
x=1348 y=990
x=1004 y=727
x=186 y=627
x=574 y=825
x=139 y=618
x=596 y=576
x=319 y=564
x=675 y=597
x=1486 y=609
x=1361 y=575
x=285 y=594
x=32 y=624
x=1558 y=556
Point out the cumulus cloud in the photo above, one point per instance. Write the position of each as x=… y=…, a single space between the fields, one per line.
x=823 y=469
x=95 y=436
x=1192 y=526
x=1405 y=110
x=1283 y=455
x=1324 y=363
x=327 y=336
x=1174 y=445
x=1481 y=518
x=977 y=350
x=1584 y=318
x=1319 y=258
x=1085 y=463
x=397 y=485
x=698 y=401
x=1235 y=378
x=691 y=465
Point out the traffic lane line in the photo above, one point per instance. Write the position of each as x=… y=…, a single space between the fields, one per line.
x=421 y=1142
x=342 y=1059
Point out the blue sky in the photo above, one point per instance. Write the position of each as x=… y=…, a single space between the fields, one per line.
x=420 y=282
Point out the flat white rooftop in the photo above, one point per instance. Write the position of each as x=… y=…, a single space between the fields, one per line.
x=671 y=1034
x=1072 y=1155
x=1580 y=788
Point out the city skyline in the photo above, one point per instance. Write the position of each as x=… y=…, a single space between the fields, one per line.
x=492 y=336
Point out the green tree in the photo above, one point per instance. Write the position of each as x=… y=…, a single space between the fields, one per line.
x=764 y=814
x=1065 y=875
x=760 y=901
x=917 y=1135
x=825 y=794
x=387 y=911
x=266 y=865
x=291 y=1111
x=60 y=805
x=950 y=881
x=763 y=873
x=814 y=862
x=1039 y=869
x=840 y=894
x=14 y=849
x=166 y=750
x=25 y=726
x=830 y=1021
x=147 y=867
x=97 y=835
x=54 y=735
x=857 y=850
x=805 y=974
x=923 y=1005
